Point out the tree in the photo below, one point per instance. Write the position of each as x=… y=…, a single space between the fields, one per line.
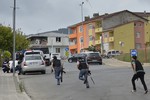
x=91 y=48
x=6 y=39
x=6 y=55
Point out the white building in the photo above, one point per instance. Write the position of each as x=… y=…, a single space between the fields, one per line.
x=55 y=42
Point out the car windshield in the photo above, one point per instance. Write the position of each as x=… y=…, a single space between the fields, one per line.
x=29 y=53
x=94 y=54
x=33 y=57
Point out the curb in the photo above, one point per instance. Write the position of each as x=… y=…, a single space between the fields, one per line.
x=20 y=85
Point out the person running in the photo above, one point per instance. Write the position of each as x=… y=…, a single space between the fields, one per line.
x=84 y=69
x=138 y=73
x=56 y=64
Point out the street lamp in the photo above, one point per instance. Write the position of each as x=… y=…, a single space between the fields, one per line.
x=82 y=24
x=14 y=35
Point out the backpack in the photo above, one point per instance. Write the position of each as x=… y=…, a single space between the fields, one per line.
x=56 y=63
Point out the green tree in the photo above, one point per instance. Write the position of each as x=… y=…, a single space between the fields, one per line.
x=0 y=57
x=6 y=39
x=6 y=55
x=91 y=48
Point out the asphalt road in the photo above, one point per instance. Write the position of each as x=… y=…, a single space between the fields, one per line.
x=111 y=83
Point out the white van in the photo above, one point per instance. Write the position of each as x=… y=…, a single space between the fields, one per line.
x=112 y=53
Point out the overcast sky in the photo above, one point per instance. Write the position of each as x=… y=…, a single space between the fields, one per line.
x=34 y=16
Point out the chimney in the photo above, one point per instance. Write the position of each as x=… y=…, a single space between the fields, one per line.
x=95 y=15
x=86 y=18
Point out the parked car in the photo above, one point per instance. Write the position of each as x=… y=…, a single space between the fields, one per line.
x=33 y=63
x=75 y=57
x=54 y=54
x=112 y=53
x=11 y=65
x=93 y=57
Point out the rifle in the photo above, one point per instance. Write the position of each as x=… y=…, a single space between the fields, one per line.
x=61 y=73
x=89 y=73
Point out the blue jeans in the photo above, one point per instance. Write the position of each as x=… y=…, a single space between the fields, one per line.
x=58 y=74
x=83 y=75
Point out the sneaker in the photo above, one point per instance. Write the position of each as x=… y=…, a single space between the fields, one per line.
x=146 y=92
x=61 y=79
x=85 y=81
x=58 y=82
x=133 y=91
x=87 y=86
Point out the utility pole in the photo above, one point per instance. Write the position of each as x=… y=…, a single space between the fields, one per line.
x=82 y=25
x=14 y=35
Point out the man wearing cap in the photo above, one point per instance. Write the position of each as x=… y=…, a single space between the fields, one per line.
x=56 y=64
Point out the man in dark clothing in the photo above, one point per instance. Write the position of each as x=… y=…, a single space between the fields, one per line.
x=84 y=68
x=138 y=73
x=5 y=67
x=56 y=64
x=18 y=67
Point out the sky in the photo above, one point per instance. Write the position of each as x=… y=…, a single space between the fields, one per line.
x=35 y=16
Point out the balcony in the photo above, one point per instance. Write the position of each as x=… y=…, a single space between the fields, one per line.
x=90 y=43
x=90 y=32
x=97 y=42
x=74 y=35
x=111 y=39
x=35 y=44
x=97 y=30
x=73 y=46
x=106 y=40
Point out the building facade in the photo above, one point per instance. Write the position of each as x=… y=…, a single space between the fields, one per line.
x=53 y=41
x=122 y=31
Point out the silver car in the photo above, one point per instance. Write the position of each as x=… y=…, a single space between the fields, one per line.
x=33 y=63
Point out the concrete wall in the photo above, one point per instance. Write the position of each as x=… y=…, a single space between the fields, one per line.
x=124 y=34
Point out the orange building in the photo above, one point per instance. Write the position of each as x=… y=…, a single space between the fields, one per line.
x=82 y=35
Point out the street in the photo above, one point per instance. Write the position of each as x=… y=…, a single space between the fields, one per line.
x=111 y=83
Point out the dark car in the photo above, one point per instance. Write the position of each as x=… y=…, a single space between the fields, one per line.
x=93 y=57
x=75 y=57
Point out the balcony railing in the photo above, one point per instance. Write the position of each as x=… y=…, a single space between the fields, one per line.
x=97 y=30
x=73 y=46
x=111 y=39
x=90 y=43
x=97 y=42
x=90 y=32
x=74 y=35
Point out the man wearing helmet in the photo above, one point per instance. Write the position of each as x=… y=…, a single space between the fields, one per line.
x=84 y=68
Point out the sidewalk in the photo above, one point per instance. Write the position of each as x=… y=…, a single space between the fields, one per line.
x=117 y=63
x=9 y=87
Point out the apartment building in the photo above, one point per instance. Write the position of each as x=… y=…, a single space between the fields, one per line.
x=51 y=42
x=112 y=31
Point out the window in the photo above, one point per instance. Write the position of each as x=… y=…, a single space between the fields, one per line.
x=81 y=39
x=80 y=29
x=90 y=26
x=90 y=38
x=138 y=46
x=57 y=50
x=58 y=39
x=138 y=34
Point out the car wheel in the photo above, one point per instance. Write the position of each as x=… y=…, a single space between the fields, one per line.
x=23 y=73
x=70 y=60
x=100 y=63
x=43 y=72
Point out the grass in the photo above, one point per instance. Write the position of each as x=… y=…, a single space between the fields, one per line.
x=141 y=56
